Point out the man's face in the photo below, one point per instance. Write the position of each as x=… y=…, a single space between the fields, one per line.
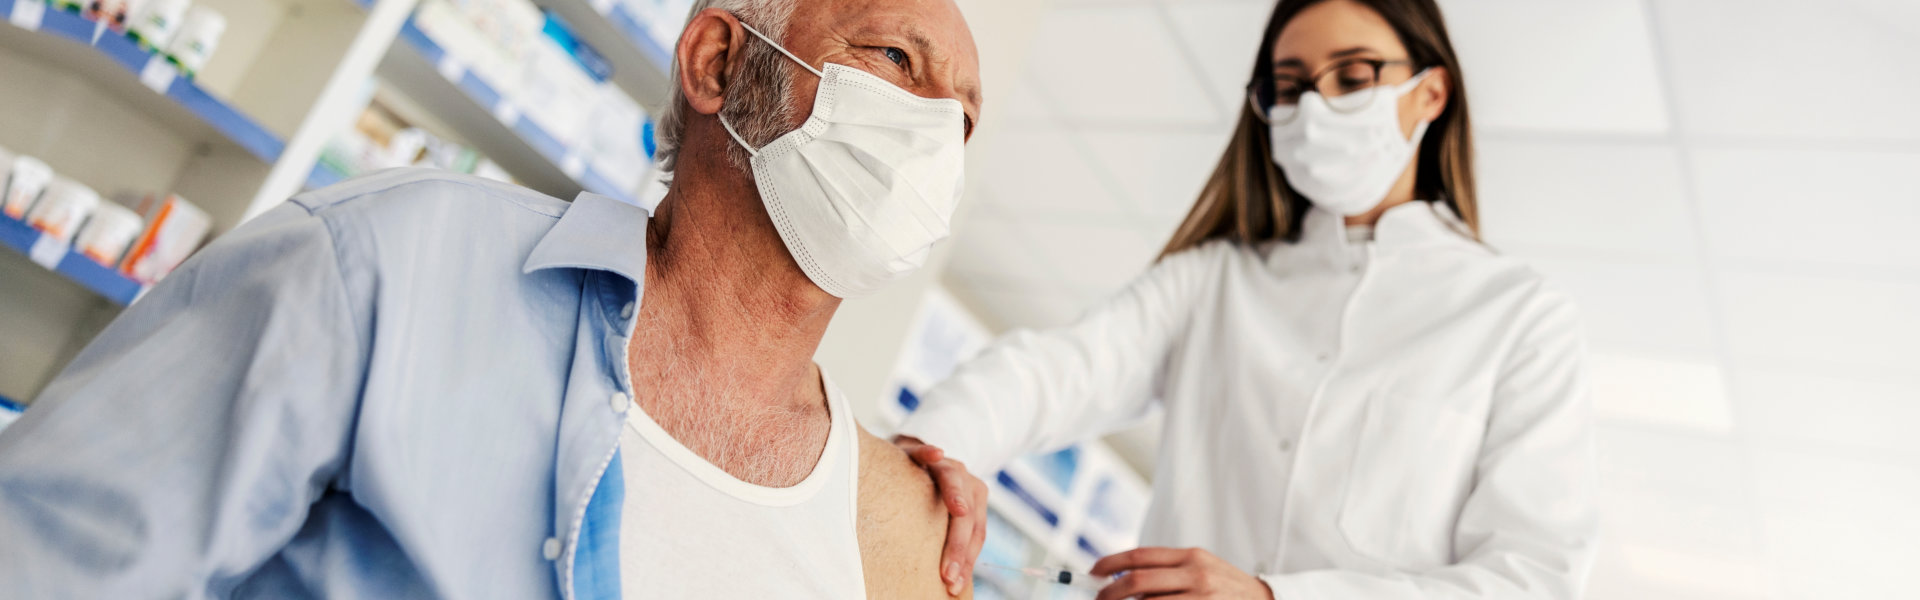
x=923 y=46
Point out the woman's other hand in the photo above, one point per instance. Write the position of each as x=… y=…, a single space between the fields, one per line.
x=966 y=499
x=1176 y=573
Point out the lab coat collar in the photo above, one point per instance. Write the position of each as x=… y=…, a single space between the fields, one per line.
x=597 y=232
x=1412 y=225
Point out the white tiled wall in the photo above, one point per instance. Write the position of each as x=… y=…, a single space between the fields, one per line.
x=1726 y=186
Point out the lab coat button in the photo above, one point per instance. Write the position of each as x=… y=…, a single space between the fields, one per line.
x=619 y=401
x=1324 y=357
x=1286 y=445
x=551 y=549
x=626 y=312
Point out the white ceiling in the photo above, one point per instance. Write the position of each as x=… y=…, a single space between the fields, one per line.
x=1725 y=185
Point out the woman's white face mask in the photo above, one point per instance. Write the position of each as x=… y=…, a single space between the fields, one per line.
x=863 y=189
x=1346 y=162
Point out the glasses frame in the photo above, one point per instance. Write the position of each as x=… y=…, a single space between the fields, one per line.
x=1265 y=84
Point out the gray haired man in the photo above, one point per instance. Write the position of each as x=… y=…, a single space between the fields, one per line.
x=424 y=385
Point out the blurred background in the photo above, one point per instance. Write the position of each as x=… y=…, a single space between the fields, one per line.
x=1726 y=187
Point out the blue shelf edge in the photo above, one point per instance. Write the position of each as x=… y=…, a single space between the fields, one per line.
x=537 y=138
x=649 y=47
x=323 y=176
x=102 y=280
x=230 y=122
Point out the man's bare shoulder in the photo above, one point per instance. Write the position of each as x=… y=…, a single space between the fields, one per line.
x=903 y=524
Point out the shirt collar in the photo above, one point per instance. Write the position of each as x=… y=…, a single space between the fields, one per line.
x=1410 y=225
x=596 y=232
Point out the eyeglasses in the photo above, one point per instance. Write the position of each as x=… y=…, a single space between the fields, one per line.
x=1347 y=86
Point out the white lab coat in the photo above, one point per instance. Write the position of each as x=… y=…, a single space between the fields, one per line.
x=1401 y=418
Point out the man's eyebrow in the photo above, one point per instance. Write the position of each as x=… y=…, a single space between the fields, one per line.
x=924 y=46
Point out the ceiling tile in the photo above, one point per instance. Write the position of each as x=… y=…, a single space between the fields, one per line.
x=1117 y=64
x=1042 y=171
x=1664 y=392
x=1223 y=37
x=1838 y=527
x=1783 y=406
x=1675 y=491
x=1822 y=321
x=1096 y=257
x=1659 y=310
x=1161 y=171
x=1852 y=208
x=1616 y=200
x=1003 y=309
x=996 y=247
x=1730 y=57
x=1558 y=66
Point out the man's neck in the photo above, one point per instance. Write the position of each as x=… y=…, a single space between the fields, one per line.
x=714 y=310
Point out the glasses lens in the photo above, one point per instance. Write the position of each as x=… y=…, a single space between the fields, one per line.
x=1350 y=86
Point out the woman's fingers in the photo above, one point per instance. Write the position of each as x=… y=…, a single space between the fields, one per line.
x=1150 y=582
x=1143 y=558
x=962 y=493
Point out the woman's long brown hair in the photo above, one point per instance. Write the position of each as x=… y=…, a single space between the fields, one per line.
x=1248 y=200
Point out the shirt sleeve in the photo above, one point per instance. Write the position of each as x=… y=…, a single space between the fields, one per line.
x=1032 y=391
x=184 y=445
x=1528 y=529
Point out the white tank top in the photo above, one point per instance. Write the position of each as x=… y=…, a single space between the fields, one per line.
x=690 y=530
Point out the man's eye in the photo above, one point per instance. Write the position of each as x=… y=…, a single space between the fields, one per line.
x=898 y=56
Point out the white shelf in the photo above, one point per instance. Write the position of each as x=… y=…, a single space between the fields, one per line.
x=141 y=79
x=426 y=74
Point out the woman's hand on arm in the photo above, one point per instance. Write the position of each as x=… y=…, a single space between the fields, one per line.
x=966 y=500
x=1176 y=573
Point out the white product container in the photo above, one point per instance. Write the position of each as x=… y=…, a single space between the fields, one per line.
x=25 y=181
x=115 y=13
x=65 y=204
x=107 y=235
x=198 y=37
x=175 y=228
x=156 y=21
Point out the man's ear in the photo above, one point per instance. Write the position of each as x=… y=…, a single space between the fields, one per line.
x=705 y=59
x=1434 y=92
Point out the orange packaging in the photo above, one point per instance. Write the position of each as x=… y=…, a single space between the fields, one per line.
x=175 y=228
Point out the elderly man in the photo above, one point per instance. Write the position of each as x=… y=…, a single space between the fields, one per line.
x=423 y=385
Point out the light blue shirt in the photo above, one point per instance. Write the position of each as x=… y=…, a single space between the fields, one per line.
x=407 y=385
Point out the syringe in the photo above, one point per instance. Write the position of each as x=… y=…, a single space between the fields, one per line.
x=1056 y=576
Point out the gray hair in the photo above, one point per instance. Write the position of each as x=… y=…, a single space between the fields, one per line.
x=759 y=104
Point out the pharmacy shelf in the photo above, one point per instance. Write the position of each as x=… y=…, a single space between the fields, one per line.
x=420 y=69
x=141 y=79
x=641 y=64
x=57 y=257
x=323 y=176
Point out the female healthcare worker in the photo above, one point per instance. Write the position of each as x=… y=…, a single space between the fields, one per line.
x=1362 y=401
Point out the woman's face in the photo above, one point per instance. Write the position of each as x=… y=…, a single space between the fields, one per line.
x=1343 y=32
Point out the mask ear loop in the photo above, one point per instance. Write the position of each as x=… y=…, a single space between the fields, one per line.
x=776 y=46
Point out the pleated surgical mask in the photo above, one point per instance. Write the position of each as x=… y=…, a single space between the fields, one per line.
x=863 y=189
x=1346 y=162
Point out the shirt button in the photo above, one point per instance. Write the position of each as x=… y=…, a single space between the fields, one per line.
x=551 y=549
x=1356 y=269
x=619 y=401
x=1324 y=357
x=1286 y=445
x=626 y=312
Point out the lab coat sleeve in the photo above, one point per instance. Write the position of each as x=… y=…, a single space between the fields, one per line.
x=1039 y=390
x=184 y=445
x=1528 y=528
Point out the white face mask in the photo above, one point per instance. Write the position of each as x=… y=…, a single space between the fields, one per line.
x=1347 y=162
x=863 y=189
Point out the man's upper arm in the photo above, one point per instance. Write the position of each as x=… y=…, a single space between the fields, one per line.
x=903 y=525
x=185 y=444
